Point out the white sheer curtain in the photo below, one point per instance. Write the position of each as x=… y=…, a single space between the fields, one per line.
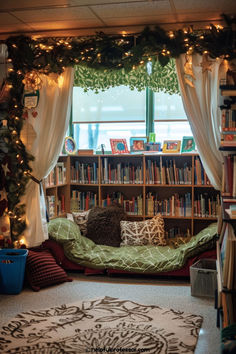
x=199 y=86
x=49 y=127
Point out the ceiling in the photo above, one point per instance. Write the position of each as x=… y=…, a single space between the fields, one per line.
x=86 y=17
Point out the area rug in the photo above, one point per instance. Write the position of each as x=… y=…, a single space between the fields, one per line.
x=108 y=325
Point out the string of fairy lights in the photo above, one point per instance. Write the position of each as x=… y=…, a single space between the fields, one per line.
x=29 y=56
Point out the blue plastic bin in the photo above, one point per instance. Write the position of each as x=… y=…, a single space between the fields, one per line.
x=12 y=270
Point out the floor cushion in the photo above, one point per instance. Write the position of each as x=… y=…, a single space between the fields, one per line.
x=58 y=253
x=42 y=270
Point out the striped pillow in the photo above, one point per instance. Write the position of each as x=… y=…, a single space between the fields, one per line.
x=42 y=270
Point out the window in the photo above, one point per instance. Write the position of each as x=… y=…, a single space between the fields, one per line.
x=170 y=120
x=120 y=112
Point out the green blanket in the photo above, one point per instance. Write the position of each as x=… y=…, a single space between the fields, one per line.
x=138 y=259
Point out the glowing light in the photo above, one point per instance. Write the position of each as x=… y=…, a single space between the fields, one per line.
x=61 y=81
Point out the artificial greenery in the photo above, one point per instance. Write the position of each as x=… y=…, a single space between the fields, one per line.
x=117 y=52
x=15 y=157
x=159 y=79
x=100 y=52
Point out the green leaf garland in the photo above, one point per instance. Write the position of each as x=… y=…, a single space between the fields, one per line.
x=161 y=78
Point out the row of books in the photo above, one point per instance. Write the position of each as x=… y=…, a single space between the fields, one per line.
x=55 y=207
x=229 y=176
x=200 y=176
x=157 y=173
x=51 y=205
x=134 y=206
x=84 y=173
x=228 y=258
x=231 y=210
x=228 y=127
x=121 y=173
x=228 y=120
x=175 y=205
x=228 y=140
x=206 y=206
x=82 y=200
x=56 y=176
x=175 y=232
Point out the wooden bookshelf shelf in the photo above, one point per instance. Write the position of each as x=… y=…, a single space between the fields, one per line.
x=122 y=184
x=145 y=184
x=227 y=148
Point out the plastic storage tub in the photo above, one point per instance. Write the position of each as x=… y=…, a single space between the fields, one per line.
x=203 y=278
x=12 y=270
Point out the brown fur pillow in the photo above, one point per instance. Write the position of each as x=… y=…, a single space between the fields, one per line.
x=103 y=225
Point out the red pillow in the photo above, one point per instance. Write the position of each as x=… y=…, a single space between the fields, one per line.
x=42 y=270
x=58 y=253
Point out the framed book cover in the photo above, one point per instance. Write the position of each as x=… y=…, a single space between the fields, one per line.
x=70 y=145
x=188 y=144
x=153 y=146
x=119 y=146
x=138 y=143
x=171 y=146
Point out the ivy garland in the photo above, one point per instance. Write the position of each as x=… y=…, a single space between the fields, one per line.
x=100 y=52
x=160 y=79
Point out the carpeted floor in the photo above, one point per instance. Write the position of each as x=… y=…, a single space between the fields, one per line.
x=166 y=294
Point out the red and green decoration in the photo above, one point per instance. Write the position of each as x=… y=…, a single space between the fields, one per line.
x=29 y=56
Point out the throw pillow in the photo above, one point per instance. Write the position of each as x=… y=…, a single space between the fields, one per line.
x=140 y=233
x=103 y=226
x=42 y=270
x=63 y=230
x=81 y=219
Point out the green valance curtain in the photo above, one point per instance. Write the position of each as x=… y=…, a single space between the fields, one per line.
x=161 y=78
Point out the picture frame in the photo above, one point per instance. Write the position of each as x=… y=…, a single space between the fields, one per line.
x=188 y=144
x=70 y=145
x=119 y=146
x=153 y=146
x=138 y=143
x=171 y=146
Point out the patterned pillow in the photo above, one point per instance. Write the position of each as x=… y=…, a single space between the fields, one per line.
x=42 y=270
x=63 y=230
x=141 y=233
x=81 y=218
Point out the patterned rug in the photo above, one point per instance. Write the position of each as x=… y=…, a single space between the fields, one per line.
x=106 y=325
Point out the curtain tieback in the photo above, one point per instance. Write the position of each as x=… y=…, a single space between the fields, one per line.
x=34 y=178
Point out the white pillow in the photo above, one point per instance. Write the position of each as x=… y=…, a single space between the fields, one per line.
x=81 y=219
x=140 y=233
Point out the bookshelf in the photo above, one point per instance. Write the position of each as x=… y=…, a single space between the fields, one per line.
x=226 y=267
x=56 y=189
x=226 y=245
x=174 y=185
x=228 y=117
